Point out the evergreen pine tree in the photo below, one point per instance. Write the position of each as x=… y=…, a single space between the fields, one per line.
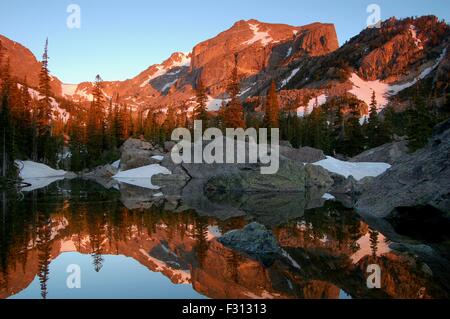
x=8 y=168
x=373 y=125
x=421 y=122
x=171 y=120
x=233 y=113
x=200 y=112
x=272 y=109
x=96 y=124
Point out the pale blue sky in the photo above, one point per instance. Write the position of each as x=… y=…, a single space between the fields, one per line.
x=118 y=38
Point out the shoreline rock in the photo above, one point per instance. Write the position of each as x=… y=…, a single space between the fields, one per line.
x=419 y=179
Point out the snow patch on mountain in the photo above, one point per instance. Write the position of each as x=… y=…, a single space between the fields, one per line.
x=289 y=78
x=160 y=71
x=289 y=52
x=180 y=60
x=363 y=89
x=262 y=36
x=395 y=89
x=168 y=85
x=184 y=60
x=58 y=112
x=417 y=41
x=215 y=104
x=358 y=170
x=314 y=102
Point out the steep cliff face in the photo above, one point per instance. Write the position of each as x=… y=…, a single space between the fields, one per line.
x=258 y=46
x=387 y=60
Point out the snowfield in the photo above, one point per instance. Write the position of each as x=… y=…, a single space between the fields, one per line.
x=38 y=175
x=142 y=176
x=355 y=169
x=215 y=104
x=264 y=37
x=185 y=61
x=29 y=169
x=363 y=89
x=328 y=197
x=57 y=111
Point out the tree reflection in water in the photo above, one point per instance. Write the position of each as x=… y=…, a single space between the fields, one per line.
x=331 y=244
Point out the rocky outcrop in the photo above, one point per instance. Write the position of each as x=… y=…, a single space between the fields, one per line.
x=317 y=177
x=303 y=154
x=255 y=241
x=106 y=171
x=420 y=179
x=387 y=153
x=137 y=153
x=291 y=177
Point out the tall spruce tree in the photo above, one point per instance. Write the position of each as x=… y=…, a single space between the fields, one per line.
x=272 y=109
x=96 y=124
x=200 y=112
x=421 y=122
x=8 y=169
x=373 y=125
x=44 y=109
x=233 y=113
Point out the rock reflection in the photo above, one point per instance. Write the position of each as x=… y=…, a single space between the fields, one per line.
x=331 y=244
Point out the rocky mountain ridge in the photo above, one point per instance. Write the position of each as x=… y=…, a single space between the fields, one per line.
x=306 y=62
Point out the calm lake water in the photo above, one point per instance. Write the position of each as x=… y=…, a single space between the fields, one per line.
x=122 y=247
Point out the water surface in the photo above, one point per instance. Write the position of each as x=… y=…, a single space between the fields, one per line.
x=127 y=246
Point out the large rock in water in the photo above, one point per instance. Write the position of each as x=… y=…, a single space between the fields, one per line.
x=291 y=177
x=255 y=241
x=387 y=153
x=420 y=179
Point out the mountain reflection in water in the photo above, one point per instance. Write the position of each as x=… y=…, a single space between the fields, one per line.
x=160 y=249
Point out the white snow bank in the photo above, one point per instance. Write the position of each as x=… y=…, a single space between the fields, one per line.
x=328 y=197
x=142 y=176
x=357 y=170
x=29 y=169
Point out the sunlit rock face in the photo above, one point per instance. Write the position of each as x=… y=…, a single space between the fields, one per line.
x=326 y=250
